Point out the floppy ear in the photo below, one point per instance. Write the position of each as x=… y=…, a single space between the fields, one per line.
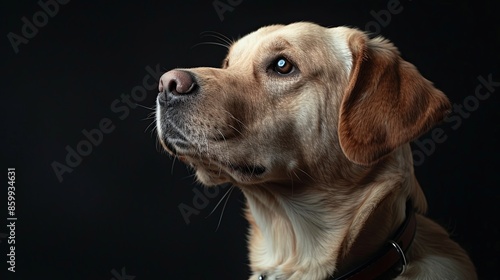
x=387 y=102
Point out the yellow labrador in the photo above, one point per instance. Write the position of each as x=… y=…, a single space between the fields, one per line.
x=313 y=125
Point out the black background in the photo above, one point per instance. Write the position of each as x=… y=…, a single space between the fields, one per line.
x=118 y=209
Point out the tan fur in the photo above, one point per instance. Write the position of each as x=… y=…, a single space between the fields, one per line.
x=332 y=137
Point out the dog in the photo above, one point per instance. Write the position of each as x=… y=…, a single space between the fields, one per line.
x=313 y=124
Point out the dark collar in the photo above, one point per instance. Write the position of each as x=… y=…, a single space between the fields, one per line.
x=390 y=261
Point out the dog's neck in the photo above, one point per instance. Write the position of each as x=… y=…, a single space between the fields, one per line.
x=331 y=227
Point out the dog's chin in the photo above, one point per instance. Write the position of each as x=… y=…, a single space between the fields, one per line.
x=215 y=174
x=211 y=178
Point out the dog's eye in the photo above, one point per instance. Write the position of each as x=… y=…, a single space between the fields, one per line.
x=283 y=66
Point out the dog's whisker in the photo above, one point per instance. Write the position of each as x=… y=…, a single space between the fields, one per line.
x=148 y=127
x=291 y=181
x=228 y=194
x=190 y=176
x=223 y=38
x=253 y=169
x=220 y=201
x=210 y=43
x=307 y=174
x=223 y=42
x=145 y=107
x=172 y=166
x=154 y=131
x=158 y=146
x=224 y=208
x=148 y=118
x=221 y=134
x=235 y=129
x=151 y=115
x=151 y=124
x=238 y=121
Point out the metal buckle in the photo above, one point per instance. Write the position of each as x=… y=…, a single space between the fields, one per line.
x=401 y=253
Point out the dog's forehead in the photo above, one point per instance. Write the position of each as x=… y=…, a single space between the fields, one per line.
x=299 y=34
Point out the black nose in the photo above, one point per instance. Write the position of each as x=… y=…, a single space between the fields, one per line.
x=177 y=82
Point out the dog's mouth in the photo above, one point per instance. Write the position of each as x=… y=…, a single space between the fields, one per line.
x=249 y=170
x=212 y=165
x=215 y=167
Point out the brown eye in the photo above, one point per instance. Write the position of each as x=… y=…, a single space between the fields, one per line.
x=283 y=66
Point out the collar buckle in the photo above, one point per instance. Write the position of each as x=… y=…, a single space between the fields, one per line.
x=402 y=254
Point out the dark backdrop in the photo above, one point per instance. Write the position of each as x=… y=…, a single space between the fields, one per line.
x=79 y=68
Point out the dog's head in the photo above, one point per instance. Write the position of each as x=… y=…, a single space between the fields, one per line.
x=290 y=98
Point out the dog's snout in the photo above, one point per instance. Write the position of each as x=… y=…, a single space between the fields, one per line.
x=177 y=82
